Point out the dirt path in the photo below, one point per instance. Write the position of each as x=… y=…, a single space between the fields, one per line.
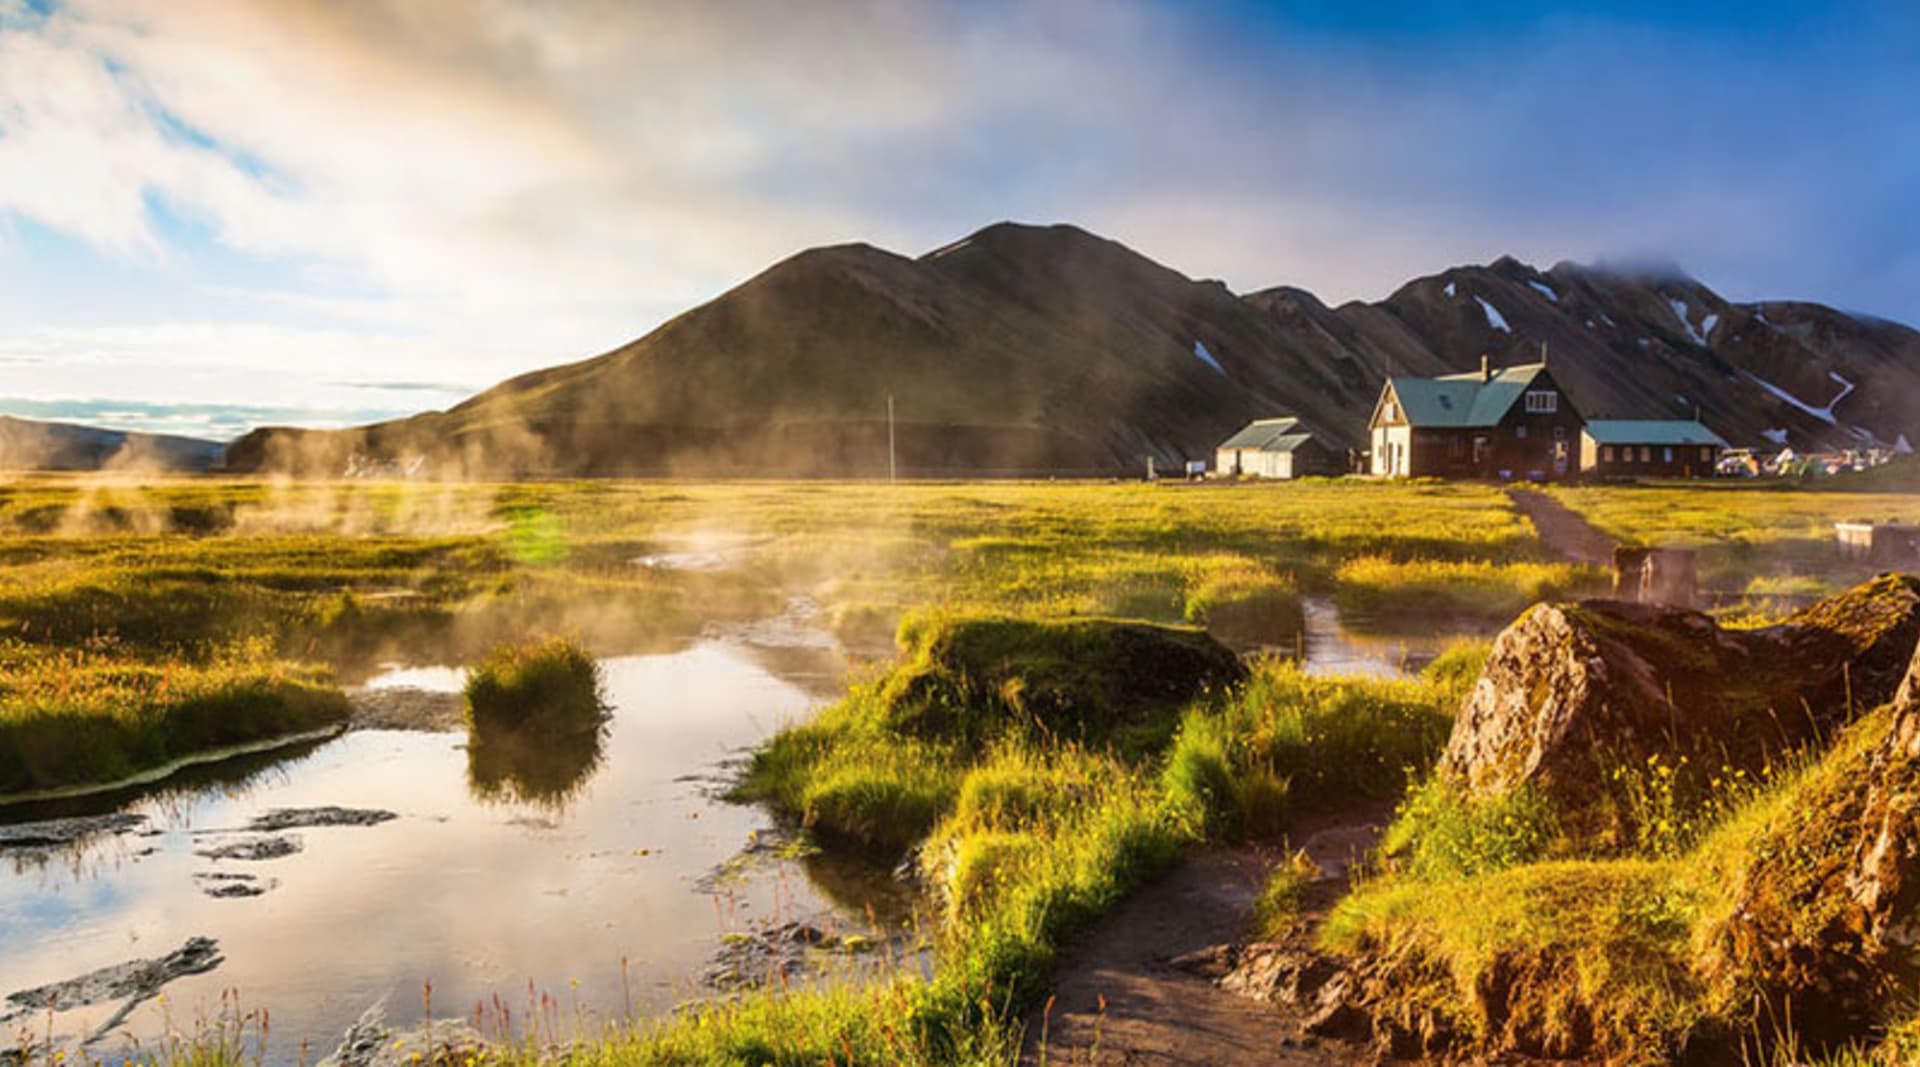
x=1562 y=529
x=1159 y=1014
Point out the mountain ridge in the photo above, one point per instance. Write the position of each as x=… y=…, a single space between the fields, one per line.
x=1037 y=349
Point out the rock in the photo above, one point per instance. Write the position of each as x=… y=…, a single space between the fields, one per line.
x=1572 y=691
x=1336 y=1012
x=407 y=708
x=134 y=981
x=55 y=833
x=1825 y=916
x=369 y=1042
x=1215 y=962
x=299 y=818
x=222 y=885
x=1282 y=974
x=260 y=848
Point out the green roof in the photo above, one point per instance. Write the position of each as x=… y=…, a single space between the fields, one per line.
x=1464 y=400
x=1269 y=435
x=1652 y=432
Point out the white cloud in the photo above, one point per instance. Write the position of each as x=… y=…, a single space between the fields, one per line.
x=501 y=184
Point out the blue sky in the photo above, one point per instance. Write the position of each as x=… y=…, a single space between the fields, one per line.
x=302 y=210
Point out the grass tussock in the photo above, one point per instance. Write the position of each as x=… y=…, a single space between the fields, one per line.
x=542 y=683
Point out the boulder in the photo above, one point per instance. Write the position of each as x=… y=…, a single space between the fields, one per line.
x=1824 y=923
x=1573 y=691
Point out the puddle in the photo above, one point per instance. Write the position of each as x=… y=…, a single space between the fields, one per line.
x=583 y=870
x=1329 y=647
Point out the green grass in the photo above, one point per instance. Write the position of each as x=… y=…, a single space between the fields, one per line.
x=1029 y=806
x=1029 y=837
x=1385 y=593
x=96 y=715
x=546 y=684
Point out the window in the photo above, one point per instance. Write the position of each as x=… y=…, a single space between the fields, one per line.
x=1559 y=433
x=1387 y=412
x=1520 y=432
x=1606 y=454
x=1706 y=454
x=1646 y=454
x=1542 y=401
x=1666 y=455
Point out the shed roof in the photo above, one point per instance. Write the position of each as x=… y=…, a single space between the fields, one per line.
x=1282 y=434
x=1464 y=400
x=1652 y=432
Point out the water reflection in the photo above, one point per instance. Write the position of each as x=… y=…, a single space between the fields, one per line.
x=611 y=862
x=542 y=768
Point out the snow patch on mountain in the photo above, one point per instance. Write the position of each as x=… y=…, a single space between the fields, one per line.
x=1448 y=289
x=1544 y=290
x=1824 y=414
x=1494 y=318
x=1200 y=352
x=1680 y=312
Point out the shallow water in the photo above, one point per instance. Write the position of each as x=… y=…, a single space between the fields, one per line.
x=1330 y=647
x=491 y=878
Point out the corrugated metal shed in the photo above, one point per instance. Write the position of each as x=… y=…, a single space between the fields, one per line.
x=1268 y=435
x=1652 y=432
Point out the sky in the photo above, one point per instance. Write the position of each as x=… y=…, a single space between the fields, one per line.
x=216 y=214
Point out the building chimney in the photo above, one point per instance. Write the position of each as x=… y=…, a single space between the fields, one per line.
x=1486 y=368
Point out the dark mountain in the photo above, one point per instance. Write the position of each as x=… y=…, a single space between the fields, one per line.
x=1037 y=349
x=26 y=444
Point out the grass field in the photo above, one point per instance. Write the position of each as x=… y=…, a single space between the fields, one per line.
x=142 y=621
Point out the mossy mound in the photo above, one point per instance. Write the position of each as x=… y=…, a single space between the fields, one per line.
x=1094 y=681
x=1573 y=693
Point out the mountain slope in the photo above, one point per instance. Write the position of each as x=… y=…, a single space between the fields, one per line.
x=27 y=444
x=1048 y=349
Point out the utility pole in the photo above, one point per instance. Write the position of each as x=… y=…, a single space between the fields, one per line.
x=892 y=471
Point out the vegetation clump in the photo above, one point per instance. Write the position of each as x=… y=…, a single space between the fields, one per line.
x=98 y=715
x=545 y=683
x=970 y=680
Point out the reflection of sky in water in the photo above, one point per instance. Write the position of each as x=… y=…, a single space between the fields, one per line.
x=431 y=679
x=478 y=898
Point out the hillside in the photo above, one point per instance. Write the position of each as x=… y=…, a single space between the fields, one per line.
x=27 y=444
x=1025 y=349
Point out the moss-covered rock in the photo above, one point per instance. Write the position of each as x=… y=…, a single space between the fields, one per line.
x=1096 y=681
x=1823 y=921
x=1573 y=692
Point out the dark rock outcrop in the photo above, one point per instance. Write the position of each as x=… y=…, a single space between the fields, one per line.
x=1572 y=691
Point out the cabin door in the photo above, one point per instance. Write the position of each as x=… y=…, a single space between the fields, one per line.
x=1559 y=458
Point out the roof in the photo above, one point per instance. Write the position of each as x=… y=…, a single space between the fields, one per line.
x=1465 y=400
x=1652 y=432
x=1269 y=435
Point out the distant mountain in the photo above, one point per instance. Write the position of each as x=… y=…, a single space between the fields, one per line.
x=1025 y=349
x=26 y=444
